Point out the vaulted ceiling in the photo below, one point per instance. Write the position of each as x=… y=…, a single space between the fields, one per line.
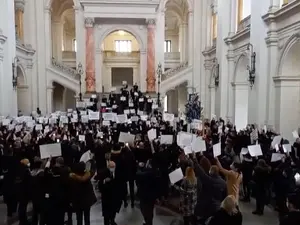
x=176 y=13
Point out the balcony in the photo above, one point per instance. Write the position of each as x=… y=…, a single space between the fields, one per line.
x=128 y=57
x=172 y=59
x=245 y=23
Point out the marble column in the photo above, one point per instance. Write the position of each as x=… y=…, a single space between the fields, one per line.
x=90 y=55
x=19 y=18
x=48 y=36
x=191 y=38
x=183 y=34
x=143 y=70
x=151 y=80
x=98 y=70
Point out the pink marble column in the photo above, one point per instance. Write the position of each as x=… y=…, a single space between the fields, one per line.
x=151 y=81
x=90 y=56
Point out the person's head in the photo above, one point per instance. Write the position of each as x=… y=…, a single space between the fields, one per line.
x=229 y=205
x=111 y=166
x=59 y=161
x=25 y=162
x=190 y=174
x=262 y=163
x=293 y=202
x=141 y=145
x=214 y=171
x=37 y=163
x=235 y=167
x=79 y=168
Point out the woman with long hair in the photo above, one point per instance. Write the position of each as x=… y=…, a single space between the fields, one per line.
x=228 y=213
x=188 y=196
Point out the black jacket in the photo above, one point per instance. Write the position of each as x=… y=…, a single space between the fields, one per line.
x=292 y=218
x=223 y=218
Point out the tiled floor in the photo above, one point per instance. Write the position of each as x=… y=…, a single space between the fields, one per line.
x=163 y=217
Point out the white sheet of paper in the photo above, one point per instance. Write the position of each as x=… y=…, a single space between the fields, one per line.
x=295 y=134
x=48 y=150
x=176 y=176
x=187 y=150
x=106 y=123
x=126 y=137
x=244 y=151
x=94 y=115
x=151 y=134
x=108 y=116
x=168 y=117
x=86 y=156
x=184 y=139
x=287 y=148
x=276 y=157
x=255 y=150
x=81 y=137
x=276 y=140
x=198 y=144
x=122 y=118
x=166 y=139
x=217 y=149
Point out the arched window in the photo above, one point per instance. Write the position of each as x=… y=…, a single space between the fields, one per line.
x=74 y=45
x=244 y=9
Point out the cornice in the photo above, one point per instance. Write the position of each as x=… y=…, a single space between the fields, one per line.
x=209 y=51
x=288 y=9
x=3 y=38
x=25 y=49
x=278 y=79
x=241 y=35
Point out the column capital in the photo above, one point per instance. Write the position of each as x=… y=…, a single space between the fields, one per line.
x=151 y=22
x=19 y=5
x=3 y=38
x=89 y=21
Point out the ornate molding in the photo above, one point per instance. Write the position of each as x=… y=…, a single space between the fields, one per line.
x=2 y=37
x=172 y=71
x=89 y=21
x=20 y=5
x=64 y=68
x=151 y=22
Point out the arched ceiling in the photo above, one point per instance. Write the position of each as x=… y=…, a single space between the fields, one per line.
x=176 y=12
x=60 y=6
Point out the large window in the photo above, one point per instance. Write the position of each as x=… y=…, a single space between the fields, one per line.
x=244 y=9
x=123 y=46
x=74 y=45
x=167 y=45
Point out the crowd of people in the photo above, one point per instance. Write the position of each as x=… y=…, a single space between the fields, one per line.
x=210 y=189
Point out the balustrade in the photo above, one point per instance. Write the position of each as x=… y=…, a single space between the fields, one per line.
x=172 y=71
x=64 y=68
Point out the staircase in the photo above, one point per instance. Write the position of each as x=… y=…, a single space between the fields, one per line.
x=176 y=76
x=64 y=75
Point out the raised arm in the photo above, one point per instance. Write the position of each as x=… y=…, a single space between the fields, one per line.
x=199 y=171
x=222 y=170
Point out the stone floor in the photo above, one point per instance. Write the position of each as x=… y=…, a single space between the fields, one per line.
x=164 y=217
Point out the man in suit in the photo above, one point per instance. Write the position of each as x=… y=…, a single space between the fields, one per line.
x=109 y=183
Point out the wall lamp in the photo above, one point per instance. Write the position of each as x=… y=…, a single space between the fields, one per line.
x=217 y=72
x=251 y=68
x=14 y=73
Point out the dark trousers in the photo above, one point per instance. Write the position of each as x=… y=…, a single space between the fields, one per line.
x=247 y=190
x=189 y=220
x=22 y=212
x=261 y=198
x=131 y=191
x=11 y=204
x=109 y=219
x=147 y=208
x=38 y=216
x=56 y=217
x=83 y=213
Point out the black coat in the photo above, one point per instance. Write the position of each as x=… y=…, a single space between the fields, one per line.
x=223 y=218
x=292 y=218
x=213 y=192
x=111 y=192
x=82 y=195
x=147 y=181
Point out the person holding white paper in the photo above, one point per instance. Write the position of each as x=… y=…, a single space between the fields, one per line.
x=233 y=178
x=213 y=190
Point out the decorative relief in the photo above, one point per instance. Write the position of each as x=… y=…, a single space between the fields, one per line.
x=89 y=22
x=19 y=5
x=64 y=68
x=151 y=22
